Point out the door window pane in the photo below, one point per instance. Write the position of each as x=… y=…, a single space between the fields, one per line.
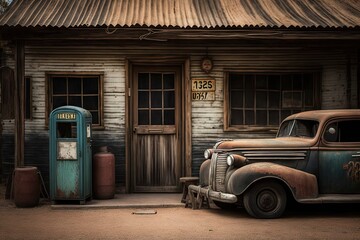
x=156 y=99
x=156 y=117
x=169 y=82
x=143 y=116
x=143 y=99
x=156 y=81
x=169 y=117
x=143 y=81
x=169 y=99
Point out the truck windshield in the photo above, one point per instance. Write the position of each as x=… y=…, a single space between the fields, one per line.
x=298 y=128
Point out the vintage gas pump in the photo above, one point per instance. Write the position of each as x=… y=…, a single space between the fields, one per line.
x=70 y=154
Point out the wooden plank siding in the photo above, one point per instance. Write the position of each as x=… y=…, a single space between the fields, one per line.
x=207 y=116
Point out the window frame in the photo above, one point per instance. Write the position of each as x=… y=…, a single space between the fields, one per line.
x=266 y=128
x=338 y=142
x=49 y=104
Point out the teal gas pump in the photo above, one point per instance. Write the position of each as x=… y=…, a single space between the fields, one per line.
x=70 y=154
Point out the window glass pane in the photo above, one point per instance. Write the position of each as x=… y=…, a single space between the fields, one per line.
x=143 y=80
x=169 y=117
x=261 y=99
x=90 y=85
x=95 y=117
x=261 y=117
x=297 y=82
x=274 y=99
x=169 y=81
x=249 y=81
x=249 y=99
x=348 y=131
x=90 y=103
x=143 y=99
x=284 y=114
x=286 y=83
x=237 y=100
x=261 y=82
x=249 y=118
x=156 y=99
x=237 y=117
x=169 y=99
x=156 y=81
x=308 y=98
x=75 y=101
x=297 y=99
x=274 y=82
x=74 y=85
x=156 y=117
x=308 y=90
x=59 y=101
x=143 y=117
x=287 y=99
x=59 y=85
x=274 y=118
x=236 y=81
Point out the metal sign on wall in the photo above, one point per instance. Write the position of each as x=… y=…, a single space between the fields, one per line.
x=203 y=89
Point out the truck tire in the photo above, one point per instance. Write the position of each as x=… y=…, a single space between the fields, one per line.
x=265 y=200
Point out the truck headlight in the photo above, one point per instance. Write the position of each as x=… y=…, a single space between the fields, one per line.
x=230 y=160
x=208 y=153
x=236 y=160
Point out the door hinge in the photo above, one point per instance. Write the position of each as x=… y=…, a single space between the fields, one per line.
x=129 y=92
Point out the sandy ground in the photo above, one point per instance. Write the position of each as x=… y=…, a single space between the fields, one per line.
x=299 y=222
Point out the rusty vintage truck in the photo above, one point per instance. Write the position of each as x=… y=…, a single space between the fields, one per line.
x=314 y=158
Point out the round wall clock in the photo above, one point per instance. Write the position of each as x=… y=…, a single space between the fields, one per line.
x=206 y=64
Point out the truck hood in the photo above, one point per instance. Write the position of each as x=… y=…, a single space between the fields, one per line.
x=277 y=143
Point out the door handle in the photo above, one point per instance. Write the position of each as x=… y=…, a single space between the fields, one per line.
x=152 y=130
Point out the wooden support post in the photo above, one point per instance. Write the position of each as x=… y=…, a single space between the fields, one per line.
x=19 y=103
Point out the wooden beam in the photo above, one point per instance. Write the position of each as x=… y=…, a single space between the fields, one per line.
x=187 y=118
x=358 y=78
x=19 y=103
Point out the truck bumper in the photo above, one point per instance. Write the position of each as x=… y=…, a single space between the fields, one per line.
x=210 y=194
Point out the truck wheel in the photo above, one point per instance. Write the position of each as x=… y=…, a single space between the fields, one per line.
x=265 y=200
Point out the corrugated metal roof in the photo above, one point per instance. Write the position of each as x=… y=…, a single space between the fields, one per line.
x=183 y=13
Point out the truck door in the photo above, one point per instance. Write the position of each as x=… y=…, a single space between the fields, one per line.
x=339 y=157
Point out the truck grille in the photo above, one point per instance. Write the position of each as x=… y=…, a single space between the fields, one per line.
x=218 y=167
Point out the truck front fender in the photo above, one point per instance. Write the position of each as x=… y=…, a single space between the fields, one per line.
x=302 y=185
x=204 y=173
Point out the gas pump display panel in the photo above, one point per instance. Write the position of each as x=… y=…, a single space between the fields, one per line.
x=66 y=151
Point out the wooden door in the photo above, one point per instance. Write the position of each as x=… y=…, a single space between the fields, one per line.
x=156 y=141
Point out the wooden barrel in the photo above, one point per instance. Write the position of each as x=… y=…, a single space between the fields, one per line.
x=104 y=174
x=26 y=187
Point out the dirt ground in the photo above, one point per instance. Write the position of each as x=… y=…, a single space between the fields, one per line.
x=299 y=222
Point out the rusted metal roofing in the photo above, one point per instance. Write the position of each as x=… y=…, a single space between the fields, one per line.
x=183 y=13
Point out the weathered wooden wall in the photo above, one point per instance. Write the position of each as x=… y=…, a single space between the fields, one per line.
x=207 y=116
